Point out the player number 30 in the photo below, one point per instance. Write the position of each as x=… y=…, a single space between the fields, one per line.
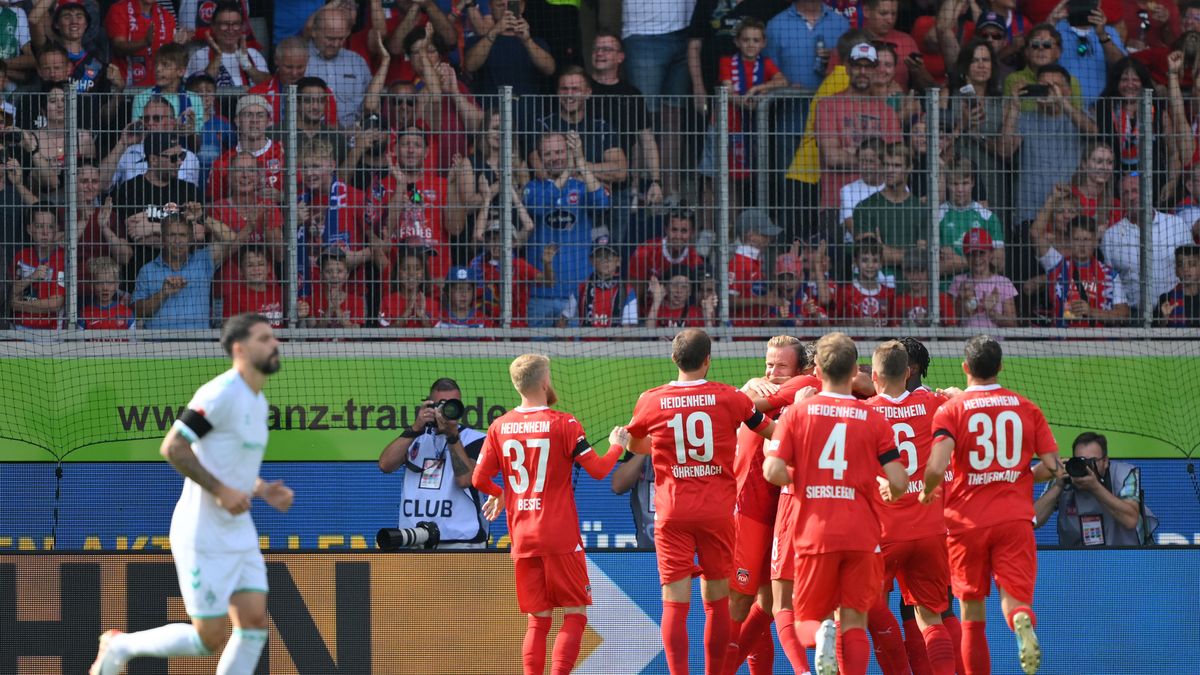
x=693 y=437
x=1005 y=448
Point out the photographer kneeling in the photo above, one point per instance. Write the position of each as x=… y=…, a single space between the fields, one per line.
x=429 y=495
x=1099 y=503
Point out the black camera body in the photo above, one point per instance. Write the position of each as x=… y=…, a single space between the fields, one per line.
x=1078 y=467
x=425 y=535
x=450 y=408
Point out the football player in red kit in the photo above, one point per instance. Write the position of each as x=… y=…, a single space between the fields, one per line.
x=989 y=437
x=689 y=427
x=534 y=448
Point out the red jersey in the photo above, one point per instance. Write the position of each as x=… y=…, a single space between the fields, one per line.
x=746 y=280
x=914 y=309
x=353 y=305
x=25 y=263
x=688 y=316
x=692 y=428
x=652 y=259
x=875 y=308
x=126 y=21
x=269 y=302
x=787 y=391
x=270 y=162
x=835 y=444
x=394 y=305
x=997 y=433
x=272 y=91
x=204 y=16
x=911 y=417
x=534 y=450
x=233 y=215
x=420 y=217
x=757 y=498
x=115 y=316
x=339 y=215
x=1096 y=283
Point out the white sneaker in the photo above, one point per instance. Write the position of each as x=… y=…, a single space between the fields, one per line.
x=825 y=658
x=106 y=662
x=1027 y=643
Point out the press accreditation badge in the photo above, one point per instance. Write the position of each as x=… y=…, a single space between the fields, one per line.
x=1093 y=530
x=431 y=474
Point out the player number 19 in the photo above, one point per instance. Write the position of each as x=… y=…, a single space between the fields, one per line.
x=514 y=452
x=1005 y=449
x=699 y=437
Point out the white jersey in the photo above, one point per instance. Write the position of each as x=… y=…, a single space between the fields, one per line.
x=232 y=451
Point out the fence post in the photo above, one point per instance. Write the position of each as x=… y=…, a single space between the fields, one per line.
x=292 y=219
x=762 y=146
x=1146 y=185
x=723 y=202
x=71 y=150
x=506 y=206
x=935 y=231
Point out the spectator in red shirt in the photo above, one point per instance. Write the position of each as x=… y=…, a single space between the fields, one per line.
x=447 y=103
x=291 y=61
x=335 y=303
x=245 y=206
x=673 y=302
x=107 y=308
x=805 y=291
x=749 y=74
x=747 y=285
x=866 y=301
x=138 y=29
x=459 y=308
x=418 y=202
x=408 y=302
x=256 y=292
x=38 y=275
x=331 y=217
x=253 y=116
x=654 y=257
x=912 y=306
x=486 y=267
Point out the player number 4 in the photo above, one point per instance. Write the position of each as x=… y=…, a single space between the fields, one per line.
x=699 y=437
x=514 y=452
x=833 y=455
x=1005 y=449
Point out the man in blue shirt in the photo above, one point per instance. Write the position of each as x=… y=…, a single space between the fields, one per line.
x=564 y=202
x=1088 y=51
x=173 y=291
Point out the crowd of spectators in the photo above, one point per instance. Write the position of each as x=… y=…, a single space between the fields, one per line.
x=181 y=192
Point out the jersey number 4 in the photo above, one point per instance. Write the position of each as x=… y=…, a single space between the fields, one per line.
x=833 y=455
x=514 y=452
x=693 y=437
x=1004 y=449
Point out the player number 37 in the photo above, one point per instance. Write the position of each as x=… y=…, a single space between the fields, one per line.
x=514 y=452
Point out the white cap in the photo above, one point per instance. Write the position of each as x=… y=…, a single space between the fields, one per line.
x=864 y=51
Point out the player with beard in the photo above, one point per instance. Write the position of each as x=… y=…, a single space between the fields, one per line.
x=534 y=449
x=217 y=445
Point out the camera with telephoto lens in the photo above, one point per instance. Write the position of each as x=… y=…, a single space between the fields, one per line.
x=425 y=535
x=1078 y=467
x=451 y=409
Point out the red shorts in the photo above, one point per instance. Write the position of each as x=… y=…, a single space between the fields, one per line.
x=679 y=542
x=922 y=569
x=782 y=551
x=826 y=581
x=751 y=555
x=1006 y=551
x=546 y=582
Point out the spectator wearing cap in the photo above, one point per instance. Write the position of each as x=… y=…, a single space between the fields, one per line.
x=158 y=117
x=508 y=55
x=346 y=73
x=486 y=267
x=604 y=300
x=291 y=63
x=252 y=117
x=564 y=201
x=983 y=298
x=805 y=292
x=894 y=215
x=1000 y=26
x=960 y=213
x=912 y=308
x=335 y=301
x=751 y=299
x=142 y=202
x=408 y=301
x=459 y=309
x=168 y=85
x=674 y=302
x=138 y=29
x=879 y=20
x=844 y=121
x=226 y=57
x=602 y=151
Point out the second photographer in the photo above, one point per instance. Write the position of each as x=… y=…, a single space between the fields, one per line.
x=437 y=455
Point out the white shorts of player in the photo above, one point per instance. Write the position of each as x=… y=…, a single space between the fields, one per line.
x=208 y=580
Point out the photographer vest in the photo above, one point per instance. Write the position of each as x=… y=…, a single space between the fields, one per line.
x=1083 y=521
x=431 y=493
x=641 y=502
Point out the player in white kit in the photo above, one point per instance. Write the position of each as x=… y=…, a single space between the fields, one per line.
x=217 y=444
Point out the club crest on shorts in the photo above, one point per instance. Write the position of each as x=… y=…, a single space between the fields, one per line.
x=743 y=576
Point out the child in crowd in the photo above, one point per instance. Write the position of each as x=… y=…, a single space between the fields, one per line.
x=604 y=299
x=107 y=309
x=334 y=302
x=1180 y=307
x=983 y=298
x=866 y=301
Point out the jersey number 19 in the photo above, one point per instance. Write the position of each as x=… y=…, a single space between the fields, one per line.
x=693 y=437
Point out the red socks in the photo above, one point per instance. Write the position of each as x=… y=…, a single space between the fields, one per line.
x=955 y=628
x=975 y=654
x=533 y=650
x=762 y=659
x=566 y=644
x=1016 y=610
x=675 y=637
x=785 y=625
x=914 y=644
x=750 y=640
x=853 y=652
x=940 y=649
x=731 y=651
x=716 y=635
x=889 y=645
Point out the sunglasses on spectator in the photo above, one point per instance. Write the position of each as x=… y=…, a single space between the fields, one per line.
x=1048 y=44
x=156 y=118
x=992 y=37
x=173 y=157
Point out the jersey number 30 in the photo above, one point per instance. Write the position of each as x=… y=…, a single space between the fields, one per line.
x=693 y=437
x=1005 y=449
x=514 y=452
